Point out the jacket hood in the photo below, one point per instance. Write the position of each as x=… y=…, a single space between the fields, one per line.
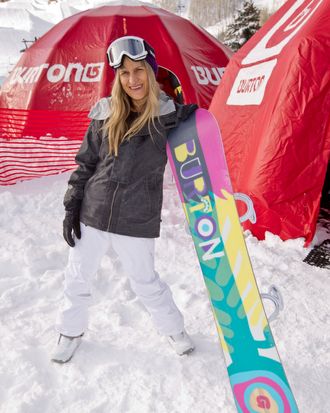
x=101 y=110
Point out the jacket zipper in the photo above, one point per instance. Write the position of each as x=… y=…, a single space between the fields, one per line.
x=112 y=203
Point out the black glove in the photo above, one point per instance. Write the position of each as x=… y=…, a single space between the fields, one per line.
x=71 y=223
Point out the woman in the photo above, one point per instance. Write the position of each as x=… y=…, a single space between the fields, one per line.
x=115 y=196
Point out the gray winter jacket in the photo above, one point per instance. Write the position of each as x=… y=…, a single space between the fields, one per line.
x=123 y=194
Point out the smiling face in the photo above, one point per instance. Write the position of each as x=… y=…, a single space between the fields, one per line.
x=133 y=77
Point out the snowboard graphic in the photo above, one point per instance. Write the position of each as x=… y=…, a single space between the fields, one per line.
x=199 y=167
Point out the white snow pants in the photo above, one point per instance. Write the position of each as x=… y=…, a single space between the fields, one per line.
x=137 y=259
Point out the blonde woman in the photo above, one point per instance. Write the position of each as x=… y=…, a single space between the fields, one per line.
x=115 y=195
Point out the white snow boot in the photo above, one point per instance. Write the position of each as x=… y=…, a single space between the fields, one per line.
x=65 y=348
x=181 y=343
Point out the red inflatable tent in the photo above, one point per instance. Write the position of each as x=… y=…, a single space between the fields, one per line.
x=45 y=101
x=273 y=108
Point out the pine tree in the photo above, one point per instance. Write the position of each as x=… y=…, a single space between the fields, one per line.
x=245 y=24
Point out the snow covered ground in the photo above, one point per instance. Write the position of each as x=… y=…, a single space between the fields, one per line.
x=123 y=366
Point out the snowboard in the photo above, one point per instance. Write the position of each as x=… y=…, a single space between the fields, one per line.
x=198 y=163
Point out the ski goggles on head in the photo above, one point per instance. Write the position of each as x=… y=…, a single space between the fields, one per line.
x=133 y=47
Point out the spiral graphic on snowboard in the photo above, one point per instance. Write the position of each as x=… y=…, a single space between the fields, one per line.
x=262 y=392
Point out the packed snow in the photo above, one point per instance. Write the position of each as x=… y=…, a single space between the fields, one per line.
x=123 y=365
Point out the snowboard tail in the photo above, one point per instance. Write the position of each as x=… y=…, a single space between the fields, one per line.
x=199 y=167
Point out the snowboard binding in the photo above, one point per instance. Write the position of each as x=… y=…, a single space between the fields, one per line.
x=275 y=296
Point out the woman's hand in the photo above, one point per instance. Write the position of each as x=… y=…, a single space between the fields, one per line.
x=71 y=225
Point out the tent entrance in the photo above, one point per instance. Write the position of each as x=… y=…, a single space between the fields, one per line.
x=170 y=84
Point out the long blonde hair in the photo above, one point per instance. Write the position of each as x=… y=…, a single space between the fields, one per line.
x=116 y=126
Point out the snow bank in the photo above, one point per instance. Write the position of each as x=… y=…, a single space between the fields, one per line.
x=21 y=18
x=27 y=26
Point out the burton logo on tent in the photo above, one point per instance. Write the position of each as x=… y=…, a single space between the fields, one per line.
x=250 y=84
x=73 y=72
x=206 y=76
x=270 y=46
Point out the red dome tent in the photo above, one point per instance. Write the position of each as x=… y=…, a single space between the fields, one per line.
x=273 y=108
x=57 y=80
